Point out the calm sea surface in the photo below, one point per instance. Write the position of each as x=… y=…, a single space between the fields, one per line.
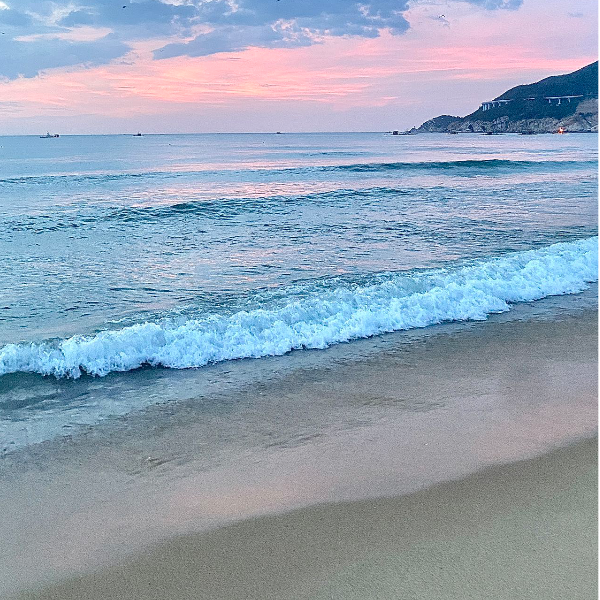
x=125 y=258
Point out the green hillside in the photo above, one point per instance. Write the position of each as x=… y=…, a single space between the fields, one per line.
x=583 y=82
x=533 y=107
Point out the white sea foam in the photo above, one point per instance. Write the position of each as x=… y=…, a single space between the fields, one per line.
x=322 y=317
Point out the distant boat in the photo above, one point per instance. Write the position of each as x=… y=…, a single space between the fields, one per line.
x=49 y=135
x=278 y=132
x=138 y=134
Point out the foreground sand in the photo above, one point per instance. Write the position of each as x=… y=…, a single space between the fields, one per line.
x=524 y=530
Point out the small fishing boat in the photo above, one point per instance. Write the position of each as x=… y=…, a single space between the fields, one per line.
x=49 y=135
x=138 y=134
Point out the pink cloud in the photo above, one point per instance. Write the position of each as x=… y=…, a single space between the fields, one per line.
x=434 y=68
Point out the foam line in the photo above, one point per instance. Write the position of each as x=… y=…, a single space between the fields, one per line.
x=320 y=317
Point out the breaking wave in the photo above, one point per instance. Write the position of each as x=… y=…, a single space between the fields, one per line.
x=319 y=316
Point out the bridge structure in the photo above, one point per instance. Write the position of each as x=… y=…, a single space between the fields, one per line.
x=559 y=99
x=556 y=100
x=493 y=104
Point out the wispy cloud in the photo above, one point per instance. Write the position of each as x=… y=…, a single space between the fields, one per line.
x=61 y=32
x=254 y=65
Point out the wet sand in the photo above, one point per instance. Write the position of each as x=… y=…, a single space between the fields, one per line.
x=152 y=506
x=524 y=530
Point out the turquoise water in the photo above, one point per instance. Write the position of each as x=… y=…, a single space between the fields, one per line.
x=179 y=251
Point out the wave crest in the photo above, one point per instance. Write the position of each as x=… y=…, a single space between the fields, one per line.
x=468 y=165
x=320 y=317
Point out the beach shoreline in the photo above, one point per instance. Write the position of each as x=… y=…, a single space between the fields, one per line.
x=415 y=414
x=521 y=530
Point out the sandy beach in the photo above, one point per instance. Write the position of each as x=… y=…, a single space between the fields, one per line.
x=265 y=337
x=477 y=479
x=520 y=531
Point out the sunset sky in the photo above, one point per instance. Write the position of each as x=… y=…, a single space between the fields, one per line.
x=112 y=66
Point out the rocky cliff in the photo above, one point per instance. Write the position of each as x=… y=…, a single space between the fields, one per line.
x=567 y=102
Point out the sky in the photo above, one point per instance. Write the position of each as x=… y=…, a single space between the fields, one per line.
x=160 y=66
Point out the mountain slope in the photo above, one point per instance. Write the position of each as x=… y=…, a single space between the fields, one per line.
x=583 y=81
x=566 y=101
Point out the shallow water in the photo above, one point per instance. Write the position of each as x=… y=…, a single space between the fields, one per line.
x=185 y=250
x=379 y=417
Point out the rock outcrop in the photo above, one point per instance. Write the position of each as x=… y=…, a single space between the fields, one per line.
x=564 y=102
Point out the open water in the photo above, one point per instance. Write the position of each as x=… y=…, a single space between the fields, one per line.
x=124 y=257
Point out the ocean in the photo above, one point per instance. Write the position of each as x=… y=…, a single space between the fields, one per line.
x=202 y=329
x=129 y=259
